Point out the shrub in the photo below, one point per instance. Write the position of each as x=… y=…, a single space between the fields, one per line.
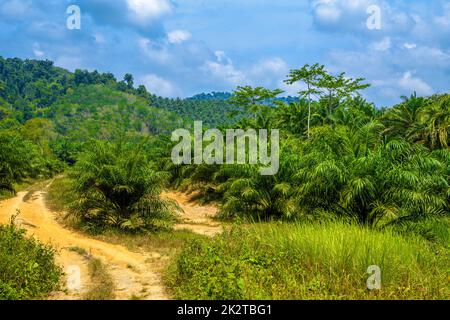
x=115 y=186
x=27 y=267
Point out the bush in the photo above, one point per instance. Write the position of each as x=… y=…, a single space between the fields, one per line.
x=27 y=267
x=115 y=186
x=20 y=159
x=309 y=261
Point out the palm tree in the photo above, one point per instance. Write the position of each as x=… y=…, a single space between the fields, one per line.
x=436 y=121
x=293 y=116
x=404 y=119
x=116 y=186
x=375 y=183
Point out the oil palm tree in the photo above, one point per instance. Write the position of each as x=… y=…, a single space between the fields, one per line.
x=381 y=183
x=436 y=121
x=404 y=119
x=116 y=186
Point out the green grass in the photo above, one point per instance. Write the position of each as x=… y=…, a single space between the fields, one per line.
x=27 y=267
x=165 y=243
x=59 y=196
x=101 y=286
x=309 y=261
x=81 y=251
x=26 y=184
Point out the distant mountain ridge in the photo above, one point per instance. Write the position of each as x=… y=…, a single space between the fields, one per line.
x=225 y=96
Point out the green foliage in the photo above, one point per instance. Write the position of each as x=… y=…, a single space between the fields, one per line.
x=21 y=159
x=354 y=175
x=102 y=285
x=27 y=267
x=325 y=87
x=116 y=186
x=340 y=157
x=421 y=120
x=309 y=261
x=253 y=99
x=213 y=111
x=100 y=112
x=386 y=171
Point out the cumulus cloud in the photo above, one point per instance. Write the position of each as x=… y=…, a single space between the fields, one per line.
x=341 y=15
x=145 y=11
x=178 y=36
x=154 y=50
x=353 y=16
x=142 y=16
x=382 y=45
x=269 y=72
x=410 y=83
x=223 y=69
x=409 y=46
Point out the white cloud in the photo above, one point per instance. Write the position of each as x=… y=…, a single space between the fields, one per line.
x=383 y=45
x=160 y=86
x=269 y=73
x=38 y=53
x=178 y=36
x=154 y=51
x=223 y=69
x=409 y=46
x=274 y=66
x=409 y=83
x=341 y=14
x=291 y=89
x=145 y=11
x=327 y=13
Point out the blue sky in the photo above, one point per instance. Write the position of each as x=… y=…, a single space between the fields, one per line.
x=183 y=47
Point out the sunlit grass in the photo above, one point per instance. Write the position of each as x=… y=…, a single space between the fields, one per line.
x=310 y=261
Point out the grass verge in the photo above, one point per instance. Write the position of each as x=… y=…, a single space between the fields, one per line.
x=309 y=261
x=25 y=185
x=101 y=286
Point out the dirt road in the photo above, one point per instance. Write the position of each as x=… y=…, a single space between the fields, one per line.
x=135 y=274
x=195 y=217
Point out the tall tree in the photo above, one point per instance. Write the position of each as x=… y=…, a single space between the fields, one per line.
x=253 y=99
x=311 y=76
x=128 y=78
x=339 y=87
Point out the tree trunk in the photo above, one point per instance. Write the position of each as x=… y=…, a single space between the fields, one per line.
x=309 y=111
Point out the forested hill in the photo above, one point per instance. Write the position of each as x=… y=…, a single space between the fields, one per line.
x=214 y=108
x=48 y=113
x=31 y=86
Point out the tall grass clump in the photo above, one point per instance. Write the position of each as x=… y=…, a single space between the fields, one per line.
x=27 y=267
x=309 y=261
